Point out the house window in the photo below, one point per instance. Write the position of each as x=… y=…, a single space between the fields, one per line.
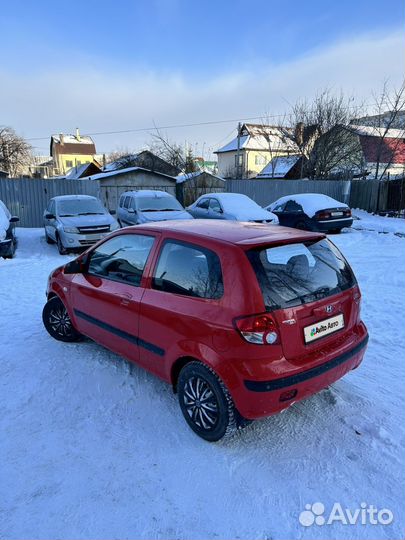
x=78 y=163
x=240 y=160
x=260 y=160
x=69 y=163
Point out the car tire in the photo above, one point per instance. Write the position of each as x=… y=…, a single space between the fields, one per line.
x=11 y=253
x=206 y=403
x=61 y=248
x=57 y=321
x=302 y=226
x=48 y=239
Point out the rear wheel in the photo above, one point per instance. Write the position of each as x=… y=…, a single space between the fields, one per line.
x=57 y=321
x=206 y=403
x=302 y=225
x=61 y=248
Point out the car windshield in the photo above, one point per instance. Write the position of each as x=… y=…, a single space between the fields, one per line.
x=79 y=207
x=295 y=274
x=158 y=204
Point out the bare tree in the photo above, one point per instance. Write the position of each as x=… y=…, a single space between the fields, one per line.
x=321 y=133
x=122 y=157
x=173 y=153
x=15 y=152
x=389 y=108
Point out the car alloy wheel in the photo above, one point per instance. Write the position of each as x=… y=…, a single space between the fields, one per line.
x=206 y=403
x=200 y=403
x=57 y=321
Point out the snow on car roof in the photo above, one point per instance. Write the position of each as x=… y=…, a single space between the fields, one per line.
x=147 y=193
x=310 y=202
x=241 y=206
x=69 y=197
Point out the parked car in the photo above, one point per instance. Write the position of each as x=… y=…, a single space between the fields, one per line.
x=8 y=239
x=233 y=206
x=147 y=205
x=76 y=221
x=241 y=319
x=312 y=212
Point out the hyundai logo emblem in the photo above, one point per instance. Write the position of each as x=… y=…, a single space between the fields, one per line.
x=329 y=309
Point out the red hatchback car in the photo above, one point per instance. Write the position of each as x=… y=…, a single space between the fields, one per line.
x=242 y=319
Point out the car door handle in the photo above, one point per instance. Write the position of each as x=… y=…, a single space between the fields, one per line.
x=125 y=299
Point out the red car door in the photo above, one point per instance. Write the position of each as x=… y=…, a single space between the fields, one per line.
x=106 y=298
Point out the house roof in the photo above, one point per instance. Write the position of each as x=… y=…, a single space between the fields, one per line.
x=80 y=171
x=189 y=176
x=72 y=144
x=261 y=137
x=103 y=175
x=279 y=166
x=372 y=131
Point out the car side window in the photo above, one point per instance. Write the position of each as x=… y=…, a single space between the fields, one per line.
x=215 y=206
x=122 y=199
x=203 y=204
x=188 y=270
x=292 y=206
x=279 y=207
x=127 y=201
x=123 y=258
x=51 y=207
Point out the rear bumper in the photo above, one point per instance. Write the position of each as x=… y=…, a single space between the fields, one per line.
x=330 y=224
x=263 y=398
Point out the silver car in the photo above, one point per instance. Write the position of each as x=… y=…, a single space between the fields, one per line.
x=147 y=205
x=76 y=221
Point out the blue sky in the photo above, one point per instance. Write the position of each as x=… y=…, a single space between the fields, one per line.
x=122 y=65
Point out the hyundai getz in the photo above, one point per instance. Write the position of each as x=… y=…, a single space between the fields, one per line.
x=242 y=319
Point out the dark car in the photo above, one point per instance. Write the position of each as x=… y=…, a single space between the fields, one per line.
x=242 y=319
x=312 y=212
x=8 y=240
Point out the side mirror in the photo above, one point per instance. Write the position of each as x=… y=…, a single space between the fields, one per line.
x=14 y=219
x=131 y=211
x=77 y=266
x=49 y=216
x=113 y=212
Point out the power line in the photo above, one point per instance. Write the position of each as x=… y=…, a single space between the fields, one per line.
x=154 y=128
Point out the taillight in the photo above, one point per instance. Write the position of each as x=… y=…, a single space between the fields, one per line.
x=347 y=212
x=258 y=329
x=323 y=215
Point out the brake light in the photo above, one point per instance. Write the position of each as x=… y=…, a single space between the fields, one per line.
x=258 y=329
x=347 y=212
x=323 y=215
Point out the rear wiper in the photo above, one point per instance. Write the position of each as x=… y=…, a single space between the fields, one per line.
x=318 y=293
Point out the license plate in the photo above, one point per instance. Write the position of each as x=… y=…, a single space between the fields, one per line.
x=336 y=214
x=323 y=328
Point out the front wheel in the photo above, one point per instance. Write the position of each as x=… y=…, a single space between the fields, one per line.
x=61 y=248
x=57 y=321
x=206 y=403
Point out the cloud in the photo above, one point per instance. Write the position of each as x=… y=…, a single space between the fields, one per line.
x=104 y=98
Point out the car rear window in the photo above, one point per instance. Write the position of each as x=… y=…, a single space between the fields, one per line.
x=295 y=274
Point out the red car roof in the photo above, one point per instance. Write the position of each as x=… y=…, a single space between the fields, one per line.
x=235 y=232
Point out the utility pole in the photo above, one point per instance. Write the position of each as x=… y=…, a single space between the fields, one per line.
x=238 y=167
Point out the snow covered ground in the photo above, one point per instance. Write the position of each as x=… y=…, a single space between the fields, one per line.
x=93 y=448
